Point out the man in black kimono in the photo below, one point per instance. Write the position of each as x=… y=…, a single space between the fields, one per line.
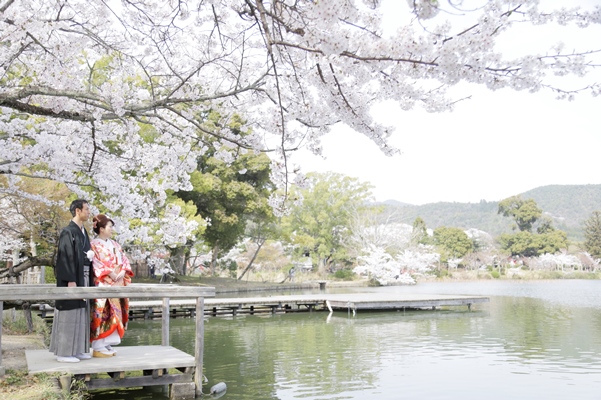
x=70 y=339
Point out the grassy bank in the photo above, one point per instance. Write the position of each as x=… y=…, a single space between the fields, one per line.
x=227 y=285
x=17 y=384
x=509 y=274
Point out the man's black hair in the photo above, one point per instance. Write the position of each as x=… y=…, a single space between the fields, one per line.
x=77 y=205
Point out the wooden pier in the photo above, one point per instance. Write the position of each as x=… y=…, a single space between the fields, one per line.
x=152 y=361
x=354 y=302
x=398 y=301
x=214 y=307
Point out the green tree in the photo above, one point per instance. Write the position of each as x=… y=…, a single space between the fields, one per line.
x=419 y=234
x=524 y=212
x=521 y=243
x=229 y=187
x=453 y=242
x=545 y=225
x=592 y=234
x=525 y=243
x=319 y=225
x=528 y=244
x=553 y=241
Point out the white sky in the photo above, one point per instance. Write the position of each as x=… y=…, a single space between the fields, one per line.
x=496 y=145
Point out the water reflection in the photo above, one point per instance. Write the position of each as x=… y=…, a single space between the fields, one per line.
x=533 y=340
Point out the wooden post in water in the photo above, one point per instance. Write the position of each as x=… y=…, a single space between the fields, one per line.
x=165 y=318
x=199 y=346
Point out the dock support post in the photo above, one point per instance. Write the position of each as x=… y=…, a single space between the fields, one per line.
x=200 y=342
x=165 y=318
x=181 y=391
x=65 y=383
x=2 y=371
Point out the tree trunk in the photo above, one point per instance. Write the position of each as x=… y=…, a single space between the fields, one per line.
x=214 y=259
x=11 y=270
x=322 y=265
x=27 y=313
x=248 y=267
x=178 y=260
x=186 y=262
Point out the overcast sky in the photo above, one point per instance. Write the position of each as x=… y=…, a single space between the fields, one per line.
x=495 y=145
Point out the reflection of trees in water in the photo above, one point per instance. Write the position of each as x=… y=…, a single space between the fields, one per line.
x=532 y=328
x=290 y=350
x=142 y=333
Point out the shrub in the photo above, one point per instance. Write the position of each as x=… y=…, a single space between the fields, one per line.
x=344 y=274
x=49 y=275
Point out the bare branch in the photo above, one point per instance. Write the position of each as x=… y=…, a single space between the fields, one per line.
x=6 y=5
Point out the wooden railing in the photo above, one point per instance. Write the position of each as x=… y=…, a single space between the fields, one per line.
x=137 y=291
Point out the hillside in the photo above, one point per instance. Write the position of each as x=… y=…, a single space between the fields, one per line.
x=568 y=205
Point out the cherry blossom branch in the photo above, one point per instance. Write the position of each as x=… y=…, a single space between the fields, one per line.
x=6 y=5
x=268 y=41
x=95 y=147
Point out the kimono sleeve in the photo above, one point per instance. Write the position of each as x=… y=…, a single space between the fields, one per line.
x=65 y=260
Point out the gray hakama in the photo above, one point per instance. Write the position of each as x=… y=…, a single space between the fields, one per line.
x=71 y=330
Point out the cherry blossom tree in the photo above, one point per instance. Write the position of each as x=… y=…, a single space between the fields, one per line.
x=378 y=265
x=394 y=237
x=420 y=259
x=557 y=261
x=109 y=96
x=381 y=267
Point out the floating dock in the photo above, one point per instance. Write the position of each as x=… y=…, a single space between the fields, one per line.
x=396 y=301
x=353 y=302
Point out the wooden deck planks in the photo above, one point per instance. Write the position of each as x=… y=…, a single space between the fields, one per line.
x=306 y=302
x=358 y=301
x=380 y=301
x=128 y=358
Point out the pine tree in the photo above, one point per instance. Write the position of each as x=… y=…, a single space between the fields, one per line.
x=592 y=234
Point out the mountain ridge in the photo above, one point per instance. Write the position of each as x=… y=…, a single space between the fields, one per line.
x=567 y=205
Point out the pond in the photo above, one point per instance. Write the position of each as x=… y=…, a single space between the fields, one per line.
x=535 y=339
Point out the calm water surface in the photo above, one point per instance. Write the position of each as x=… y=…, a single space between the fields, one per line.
x=534 y=340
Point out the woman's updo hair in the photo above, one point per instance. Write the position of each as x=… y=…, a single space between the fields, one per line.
x=101 y=221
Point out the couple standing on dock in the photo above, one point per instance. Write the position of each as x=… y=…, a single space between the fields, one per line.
x=78 y=325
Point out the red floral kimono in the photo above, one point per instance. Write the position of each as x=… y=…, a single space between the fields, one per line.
x=108 y=315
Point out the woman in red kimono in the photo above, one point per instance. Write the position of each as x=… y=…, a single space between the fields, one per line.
x=111 y=268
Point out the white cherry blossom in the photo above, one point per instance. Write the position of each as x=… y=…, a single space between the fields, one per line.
x=109 y=96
